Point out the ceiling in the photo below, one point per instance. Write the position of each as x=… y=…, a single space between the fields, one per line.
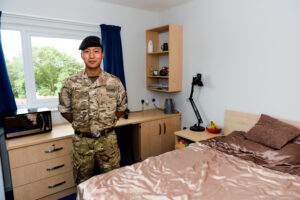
x=151 y=5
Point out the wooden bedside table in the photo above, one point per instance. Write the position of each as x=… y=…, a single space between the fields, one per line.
x=193 y=136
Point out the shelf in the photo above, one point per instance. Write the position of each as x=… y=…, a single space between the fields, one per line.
x=195 y=136
x=172 y=35
x=181 y=142
x=159 y=90
x=160 y=29
x=158 y=77
x=159 y=53
x=162 y=90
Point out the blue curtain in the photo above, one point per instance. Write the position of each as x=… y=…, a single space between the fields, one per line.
x=112 y=48
x=7 y=99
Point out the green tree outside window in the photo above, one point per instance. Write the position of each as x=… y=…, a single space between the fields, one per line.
x=51 y=68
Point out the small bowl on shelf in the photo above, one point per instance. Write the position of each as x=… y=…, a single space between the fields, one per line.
x=213 y=130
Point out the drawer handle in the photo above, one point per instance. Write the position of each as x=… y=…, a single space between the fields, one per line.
x=159 y=129
x=54 y=149
x=55 y=185
x=53 y=168
x=165 y=128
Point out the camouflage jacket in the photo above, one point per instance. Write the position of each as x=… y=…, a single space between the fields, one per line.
x=93 y=105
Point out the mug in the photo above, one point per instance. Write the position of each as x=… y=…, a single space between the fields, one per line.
x=155 y=73
x=164 y=47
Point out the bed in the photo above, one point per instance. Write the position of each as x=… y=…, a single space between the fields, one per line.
x=225 y=167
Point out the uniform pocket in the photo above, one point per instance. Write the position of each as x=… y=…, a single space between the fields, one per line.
x=80 y=106
x=82 y=146
x=111 y=148
x=82 y=158
x=80 y=99
x=108 y=153
x=107 y=100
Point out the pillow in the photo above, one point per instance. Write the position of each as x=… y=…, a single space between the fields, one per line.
x=272 y=132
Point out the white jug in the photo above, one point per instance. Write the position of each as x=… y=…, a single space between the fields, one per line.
x=150 y=46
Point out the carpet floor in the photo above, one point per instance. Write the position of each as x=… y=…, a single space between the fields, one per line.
x=70 y=197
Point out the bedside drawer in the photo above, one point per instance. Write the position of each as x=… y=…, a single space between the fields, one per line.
x=37 y=171
x=40 y=152
x=41 y=188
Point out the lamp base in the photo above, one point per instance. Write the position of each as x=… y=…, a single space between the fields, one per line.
x=197 y=128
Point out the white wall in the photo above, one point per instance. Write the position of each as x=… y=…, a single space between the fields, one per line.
x=134 y=22
x=248 y=54
x=246 y=50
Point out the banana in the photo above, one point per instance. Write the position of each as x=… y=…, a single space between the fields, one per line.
x=216 y=126
x=213 y=125
x=210 y=125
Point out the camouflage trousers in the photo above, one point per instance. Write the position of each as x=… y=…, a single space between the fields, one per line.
x=86 y=151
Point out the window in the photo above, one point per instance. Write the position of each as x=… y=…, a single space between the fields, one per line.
x=54 y=59
x=12 y=47
x=40 y=56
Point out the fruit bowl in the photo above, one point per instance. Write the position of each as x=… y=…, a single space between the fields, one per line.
x=213 y=130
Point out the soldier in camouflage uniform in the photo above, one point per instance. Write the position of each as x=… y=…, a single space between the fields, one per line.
x=93 y=100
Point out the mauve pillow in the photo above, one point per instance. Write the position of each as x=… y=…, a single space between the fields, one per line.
x=272 y=132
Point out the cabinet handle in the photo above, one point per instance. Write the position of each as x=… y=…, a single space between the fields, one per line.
x=53 y=168
x=159 y=129
x=55 y=185
x=165 y=128
x=54 y=149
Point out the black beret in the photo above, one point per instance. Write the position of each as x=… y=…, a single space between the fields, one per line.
x=90 y=41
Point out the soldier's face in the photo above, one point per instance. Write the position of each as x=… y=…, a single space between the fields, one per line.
x=92 y=57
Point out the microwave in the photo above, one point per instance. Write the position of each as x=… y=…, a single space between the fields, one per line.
x=27 y=122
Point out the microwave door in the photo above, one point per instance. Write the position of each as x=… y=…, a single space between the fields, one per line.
x=26 y=124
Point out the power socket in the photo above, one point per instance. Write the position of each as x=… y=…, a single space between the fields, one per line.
x=153 y=101
x=142 y=101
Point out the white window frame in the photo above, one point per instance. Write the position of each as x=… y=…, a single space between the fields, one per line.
x=38 y=27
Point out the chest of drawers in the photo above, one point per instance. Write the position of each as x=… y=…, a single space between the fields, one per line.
x=43 y=167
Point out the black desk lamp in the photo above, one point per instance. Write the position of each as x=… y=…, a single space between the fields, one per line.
x=196 y=81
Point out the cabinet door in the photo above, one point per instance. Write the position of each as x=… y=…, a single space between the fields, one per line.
x=150 y=138
x=170 y=125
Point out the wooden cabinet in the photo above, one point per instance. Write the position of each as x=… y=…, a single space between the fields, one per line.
x=157 y=136
x=40 y=164
x=42 y=169
x=171 y=34
x=150 y=139
x=170 y=126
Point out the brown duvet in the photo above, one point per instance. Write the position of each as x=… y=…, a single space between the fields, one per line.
x=196 y=172
x=286 y=159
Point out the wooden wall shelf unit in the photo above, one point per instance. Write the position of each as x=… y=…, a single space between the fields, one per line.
x=174 y=53
x=159 y=53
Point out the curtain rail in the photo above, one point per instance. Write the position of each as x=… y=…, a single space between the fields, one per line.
x=12 y=18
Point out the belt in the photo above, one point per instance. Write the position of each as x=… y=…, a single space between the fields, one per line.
x=95 y=134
